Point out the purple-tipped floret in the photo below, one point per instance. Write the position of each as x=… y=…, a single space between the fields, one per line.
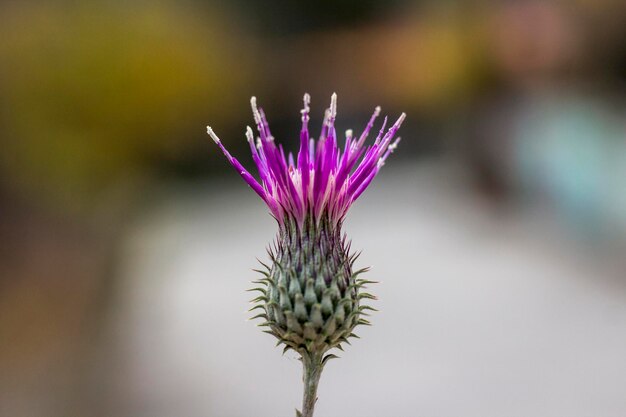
x=323 y=180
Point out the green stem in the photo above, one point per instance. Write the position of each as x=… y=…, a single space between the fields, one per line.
x=312 y=366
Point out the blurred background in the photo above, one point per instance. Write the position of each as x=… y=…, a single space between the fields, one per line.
x=498 y=229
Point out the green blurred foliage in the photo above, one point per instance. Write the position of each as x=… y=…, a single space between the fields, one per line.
x=92 y=92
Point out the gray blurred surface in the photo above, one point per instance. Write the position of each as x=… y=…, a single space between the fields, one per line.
x=483 y=312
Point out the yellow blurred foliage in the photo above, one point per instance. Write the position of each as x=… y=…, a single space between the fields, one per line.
x=90 y=92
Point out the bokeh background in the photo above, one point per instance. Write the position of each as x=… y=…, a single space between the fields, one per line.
x=498 y=228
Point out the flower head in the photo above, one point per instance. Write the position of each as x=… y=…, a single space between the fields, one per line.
x=322 y=180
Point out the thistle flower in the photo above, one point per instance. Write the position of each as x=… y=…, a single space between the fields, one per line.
x=310 y=297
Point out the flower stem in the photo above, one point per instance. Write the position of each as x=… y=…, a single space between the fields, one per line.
x=312 y=366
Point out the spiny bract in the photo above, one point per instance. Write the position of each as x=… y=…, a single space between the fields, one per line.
x=310 y=296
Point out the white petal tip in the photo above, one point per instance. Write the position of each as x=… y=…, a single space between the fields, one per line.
x=212 y=134
x=394 y=145
x=255 y=110
x=377 y=110
x=305 y=111
x=333 y=105
x=249 y=134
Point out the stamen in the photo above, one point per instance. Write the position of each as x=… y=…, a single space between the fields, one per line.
x=369 y=126
x=255 y=110
x=392 y=131
x=394 y=145
x=333 y=106
x=326 y=116
x=249 y=135
x=212 y=134
x=305 y=111
x=390 y=150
